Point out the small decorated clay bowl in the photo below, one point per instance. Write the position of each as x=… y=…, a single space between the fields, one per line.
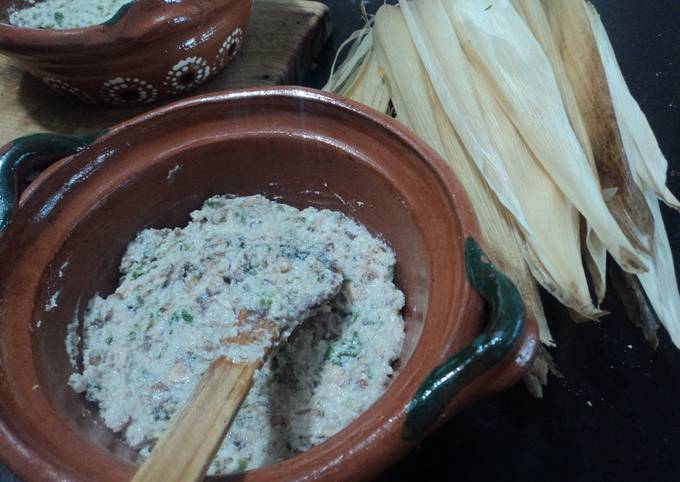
x=148 y=51
x=466 y=331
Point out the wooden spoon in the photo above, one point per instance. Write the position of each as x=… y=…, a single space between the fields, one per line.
x=189 y=444
x=187 y=447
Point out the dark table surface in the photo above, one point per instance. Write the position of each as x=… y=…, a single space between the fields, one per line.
x=615 y=416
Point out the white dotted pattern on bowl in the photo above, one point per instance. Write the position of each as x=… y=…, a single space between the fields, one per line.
x=64 y=87
x=230 y=47
x=128 y=91
x=187 y=74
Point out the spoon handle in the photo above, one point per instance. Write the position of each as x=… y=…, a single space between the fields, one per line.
x=188 y=445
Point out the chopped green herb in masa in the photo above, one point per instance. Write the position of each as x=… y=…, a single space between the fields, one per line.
x=242 y=465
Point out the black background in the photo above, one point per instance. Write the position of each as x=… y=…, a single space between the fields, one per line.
x=615 y=416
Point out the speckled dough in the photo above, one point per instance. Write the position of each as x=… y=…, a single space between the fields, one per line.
x=65 y=14
x=189 y=295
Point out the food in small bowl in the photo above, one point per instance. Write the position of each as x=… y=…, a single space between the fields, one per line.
x=291 y=146
x=147 y=51
x=65 y=14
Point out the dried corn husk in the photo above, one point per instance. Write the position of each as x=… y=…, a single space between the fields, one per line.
x=500 y=45
x=586 y=74
x=595 y=256
x=419 y=108
x=643 y=152
x=361 y=43
x=443 y=58
x=497 y=102
x=636 y=305
x=641 y=145
x=553 y=253
x=369 y=87
x=359 y=77
x=660 y=283
x=537 y=376
x=533 y=14
x=553 y=246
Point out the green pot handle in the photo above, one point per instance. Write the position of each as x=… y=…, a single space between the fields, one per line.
x=489 y=348
x=30 y=153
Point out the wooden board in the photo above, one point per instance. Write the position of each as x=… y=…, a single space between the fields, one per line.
x=283 y=40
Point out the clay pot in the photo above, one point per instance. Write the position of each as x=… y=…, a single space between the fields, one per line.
x=150 y=50
x=306 y=148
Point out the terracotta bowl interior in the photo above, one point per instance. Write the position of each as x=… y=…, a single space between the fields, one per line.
x=155 y=174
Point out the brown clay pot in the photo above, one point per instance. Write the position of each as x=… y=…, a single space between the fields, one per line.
x=306 y=148
x=151 y=49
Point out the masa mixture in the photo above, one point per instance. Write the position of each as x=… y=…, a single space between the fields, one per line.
x=65 y=14
x=189 y=295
